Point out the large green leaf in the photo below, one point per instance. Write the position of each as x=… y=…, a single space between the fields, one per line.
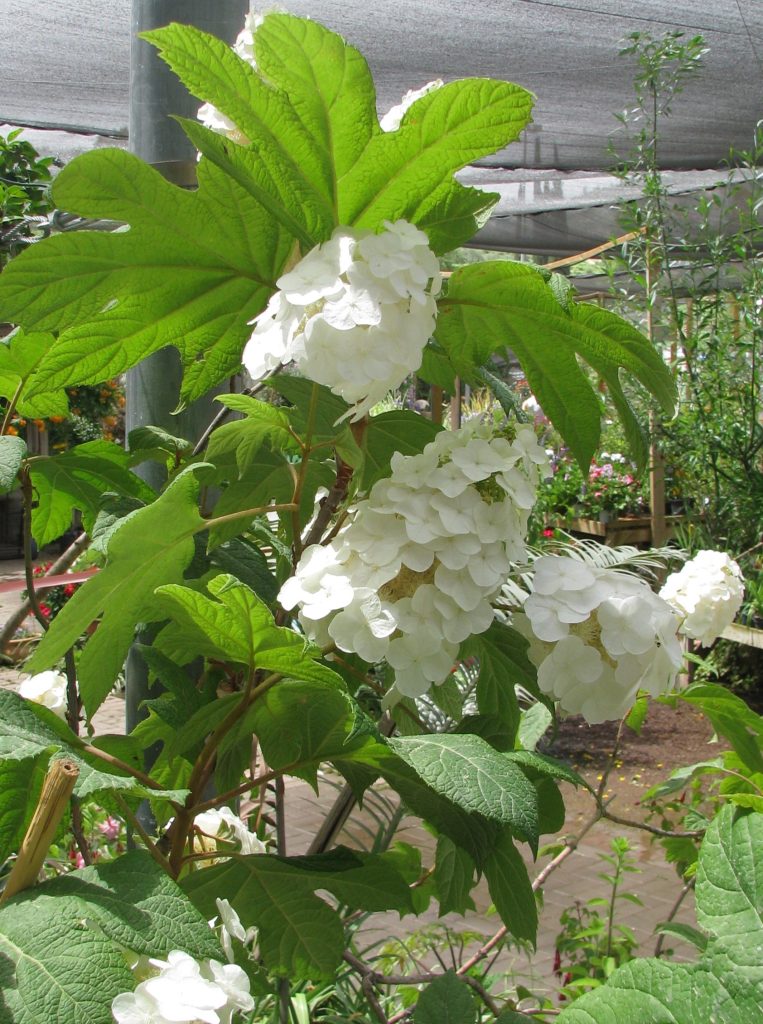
x=491 y=306
x=503 y=663
x=732 y=718
x=12 y=452
x=192 y=271
x=409 y=173
x=23 y=734
x=725 y=985
x=282 y=168
x=150 y=547
x=78 y=479
x=62 y=942
x=239 y=626
x=730 y=876
x=299 y=724
x=300 y=935
x=474 y=776
x=454 y=877
x=20 y=355
x=511 y=890
x=329 y=87
x=472 y=832
x=447 y=1000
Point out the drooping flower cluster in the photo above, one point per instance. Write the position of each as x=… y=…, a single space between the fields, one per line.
x=415 y=571
x=707 y=593
x=208 y=114
x=598 y=636
x=354 y=314
x=46 y=688
x=182 y=991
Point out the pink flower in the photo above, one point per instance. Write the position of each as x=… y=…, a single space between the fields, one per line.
x=109 y=828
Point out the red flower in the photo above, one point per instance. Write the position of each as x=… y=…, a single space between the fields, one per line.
x=548 y=532
x=45 y=610
x=69 y=589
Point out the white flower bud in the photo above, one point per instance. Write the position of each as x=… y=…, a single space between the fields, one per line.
x=46 y=688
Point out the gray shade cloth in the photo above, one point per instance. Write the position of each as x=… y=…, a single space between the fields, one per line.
x=64 y=66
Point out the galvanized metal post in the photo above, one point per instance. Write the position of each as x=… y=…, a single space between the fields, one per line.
x=155 y=94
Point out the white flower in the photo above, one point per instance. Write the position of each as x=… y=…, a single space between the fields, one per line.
x=598 y=636
x=707 y=593
x=391 y=120
x=354 y=314
x=231 y=928
x=225 y=825
x=182 y=991
x=233 y=982
x=422 y=557
x=46 y=688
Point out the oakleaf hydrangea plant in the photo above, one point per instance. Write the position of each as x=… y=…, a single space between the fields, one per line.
x=307 y=554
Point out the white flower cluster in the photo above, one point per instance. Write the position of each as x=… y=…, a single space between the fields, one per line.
x=394 y=116
x=208 y=114
x=183 y=991
x=223 y=824
x=415 y=571
x=707 y=593
x=354 y=314
x=598 y=636
x=46 y=688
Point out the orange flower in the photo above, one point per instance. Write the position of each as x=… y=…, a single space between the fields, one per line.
x=12 y=430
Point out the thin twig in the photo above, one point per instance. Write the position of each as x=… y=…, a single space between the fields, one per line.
x=73 y=707
x=148 y=842
x=687 y=888
x=28 y=496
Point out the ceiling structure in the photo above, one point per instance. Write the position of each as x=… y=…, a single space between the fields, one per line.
x=64 y=72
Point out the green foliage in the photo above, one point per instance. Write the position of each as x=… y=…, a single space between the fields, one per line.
x=90 y=918
x=24 y=179
x=448 y=1000
x=151 y=546
x=726 y=983
x=78 y=479
x=300 y=935
x=491 y=306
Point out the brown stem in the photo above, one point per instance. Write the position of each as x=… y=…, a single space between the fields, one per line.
x=245 y=787
x=28 y=496
x=54 y=799
x=148 y=842
x=64 y=562
x=116 y=762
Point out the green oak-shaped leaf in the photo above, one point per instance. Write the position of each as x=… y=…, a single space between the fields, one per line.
x=62 y=942
x=78 y=479
x=151 y=546
x=491 y=306
x=237 y=625
x=409 y=173
x=20 y=354
x=191 y=271
x=20 y=785
x=300 y=935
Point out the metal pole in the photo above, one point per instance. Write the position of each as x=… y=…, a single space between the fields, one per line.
x=155 y=94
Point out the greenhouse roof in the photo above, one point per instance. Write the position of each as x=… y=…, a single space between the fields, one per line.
x=70 y=74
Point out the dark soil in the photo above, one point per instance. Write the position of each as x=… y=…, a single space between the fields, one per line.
x=670 y=738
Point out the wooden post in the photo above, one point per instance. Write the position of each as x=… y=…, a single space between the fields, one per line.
x=455 y=405
x=54 y=799
x=435 y=399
